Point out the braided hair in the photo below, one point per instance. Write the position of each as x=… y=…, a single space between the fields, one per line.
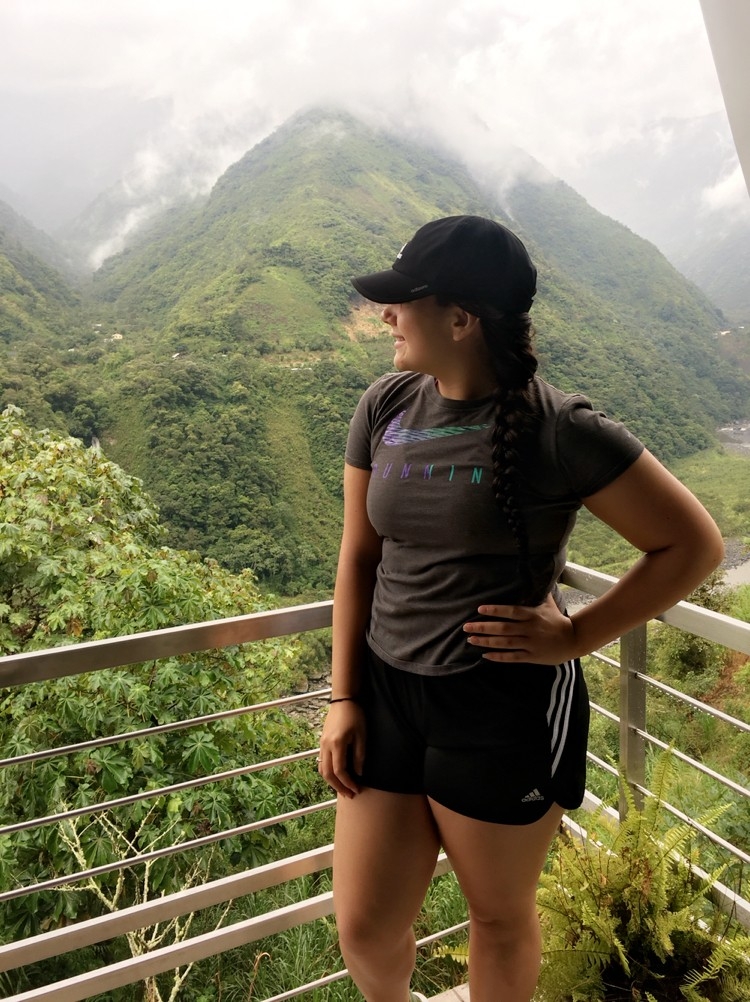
x=508 y=337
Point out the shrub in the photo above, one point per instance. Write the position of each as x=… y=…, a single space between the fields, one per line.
x=624 y=917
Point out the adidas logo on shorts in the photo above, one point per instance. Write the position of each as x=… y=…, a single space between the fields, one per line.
x=534 y=795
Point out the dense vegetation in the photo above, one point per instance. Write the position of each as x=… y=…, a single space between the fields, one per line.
x=634 y=318
x=35 y=298
x=82 y=557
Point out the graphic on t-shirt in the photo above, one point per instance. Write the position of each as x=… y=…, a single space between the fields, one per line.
x=396 y=435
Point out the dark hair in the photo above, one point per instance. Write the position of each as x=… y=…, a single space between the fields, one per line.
x=509 y=338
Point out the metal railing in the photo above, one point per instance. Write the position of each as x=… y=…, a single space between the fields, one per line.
x=23 y=669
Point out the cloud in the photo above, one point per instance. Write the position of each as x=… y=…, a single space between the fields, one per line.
x=546 y=71
x=564 y=82
x=131 y=221
x=728 y=195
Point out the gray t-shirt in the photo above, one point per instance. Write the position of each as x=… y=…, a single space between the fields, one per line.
x=447 y=547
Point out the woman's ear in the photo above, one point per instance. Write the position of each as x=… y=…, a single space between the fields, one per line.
x=465 y=324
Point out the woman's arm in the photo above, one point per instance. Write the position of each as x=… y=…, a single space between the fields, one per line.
x=342 y=741
x=359 y=557
x=681 y=545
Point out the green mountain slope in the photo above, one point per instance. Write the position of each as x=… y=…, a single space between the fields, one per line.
x=273 y=247
x=720 y=263
x=35 y=295
x=267 y=259
x=621 y=324
x=227 y=365
x=43 y=326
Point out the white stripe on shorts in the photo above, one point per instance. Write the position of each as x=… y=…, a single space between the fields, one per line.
x=558 y=713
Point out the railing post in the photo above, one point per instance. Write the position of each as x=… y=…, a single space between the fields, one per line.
x=632 y=712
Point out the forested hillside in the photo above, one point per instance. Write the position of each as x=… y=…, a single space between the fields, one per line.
x=35 y=299
x=220 y=357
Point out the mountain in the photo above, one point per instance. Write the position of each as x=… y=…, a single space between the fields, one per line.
x=107 y=224
x=229 y=349
x=719 y=263
x=672 y=185
x=641 y=334
x=35 y=276
x=19 y=233
x=46 y=334
x=266 y=262
x=312 y=204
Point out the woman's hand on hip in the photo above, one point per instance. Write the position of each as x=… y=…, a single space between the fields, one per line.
x=342 y=747
x=539 y=634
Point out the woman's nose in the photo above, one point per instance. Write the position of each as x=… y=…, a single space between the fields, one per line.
x=388 y=314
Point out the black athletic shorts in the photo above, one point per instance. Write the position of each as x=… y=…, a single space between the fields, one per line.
x=499 y=742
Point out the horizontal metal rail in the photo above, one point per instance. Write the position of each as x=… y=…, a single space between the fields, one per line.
x=74 y=659
x=188 y=951
x=217 y=892
x=162 y=791
x=312 y=986
x=604 y=712
x=149 y=732
x=167 y=958
x=726 y=900
x=598 y=656
x=93 y=655
x=601 y=764
x=687 y=616
x=182 y=640
x=169 y=850
x=669 y=690
x=699 y=766
x=741 y=725
x=697 y=826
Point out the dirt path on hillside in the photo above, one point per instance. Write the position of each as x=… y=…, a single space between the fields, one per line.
x=364 y=322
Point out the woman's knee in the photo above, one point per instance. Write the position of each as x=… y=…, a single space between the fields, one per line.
x=361 y=931
x=505 y=923
x=355 y=927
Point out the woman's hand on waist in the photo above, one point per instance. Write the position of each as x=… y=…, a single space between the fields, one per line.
x=540 y=634
x=342 y=747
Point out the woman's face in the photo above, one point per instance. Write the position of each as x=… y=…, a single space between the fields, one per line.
x=423 y=334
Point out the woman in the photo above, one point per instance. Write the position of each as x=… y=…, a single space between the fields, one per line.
x=459 y=715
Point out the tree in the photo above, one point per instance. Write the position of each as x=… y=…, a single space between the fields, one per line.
x=81 y=558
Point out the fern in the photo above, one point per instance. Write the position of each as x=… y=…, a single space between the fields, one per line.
x=728 y=956
x=460 y=953
x=622 y=910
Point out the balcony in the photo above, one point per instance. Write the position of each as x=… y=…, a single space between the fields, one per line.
x=306 y=871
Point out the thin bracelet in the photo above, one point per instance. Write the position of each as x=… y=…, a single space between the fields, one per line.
x=345 y=699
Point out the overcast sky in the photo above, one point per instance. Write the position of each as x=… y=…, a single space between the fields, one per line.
x=179 y=89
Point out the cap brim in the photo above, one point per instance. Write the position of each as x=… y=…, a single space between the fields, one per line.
x=390 y=287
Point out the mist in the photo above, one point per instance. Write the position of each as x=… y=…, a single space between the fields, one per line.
x=156 y=101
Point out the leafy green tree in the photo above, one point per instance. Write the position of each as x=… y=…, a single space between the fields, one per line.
x=81 y=558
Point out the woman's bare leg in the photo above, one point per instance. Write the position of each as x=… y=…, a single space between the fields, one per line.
x=384 y=856
x=498 y=868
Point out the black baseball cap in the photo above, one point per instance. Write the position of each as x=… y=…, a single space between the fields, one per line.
x=467 y=258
